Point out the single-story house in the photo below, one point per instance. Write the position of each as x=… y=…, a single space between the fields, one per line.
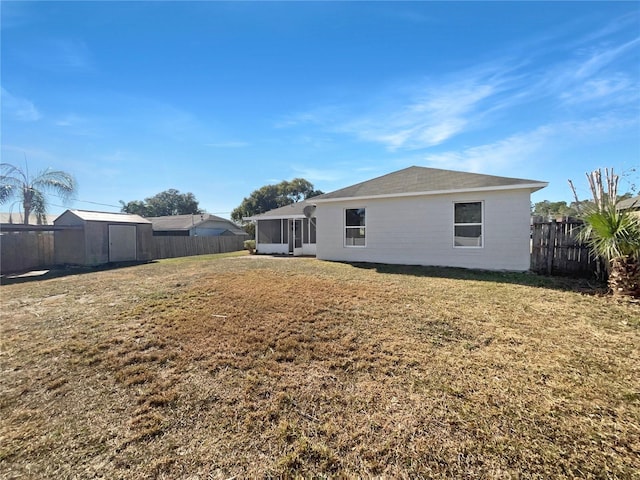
x=11 y=218
x=415 y=216
x=93 y=238
x=631 y=205
x=204 y=225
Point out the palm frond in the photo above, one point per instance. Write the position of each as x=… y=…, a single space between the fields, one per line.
x=57 y=181
x=30 y=191
x=611 y=233
x=39 y=207
x=6 y=192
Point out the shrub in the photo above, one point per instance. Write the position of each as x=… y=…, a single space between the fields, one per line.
x=250 y=245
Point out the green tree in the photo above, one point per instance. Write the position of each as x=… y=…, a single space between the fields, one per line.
x=269 y=197
x=31 y=191
x=169 y=202
x=554 y=209
x=612 y=235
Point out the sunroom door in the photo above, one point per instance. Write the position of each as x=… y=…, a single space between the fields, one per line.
x=295 y=237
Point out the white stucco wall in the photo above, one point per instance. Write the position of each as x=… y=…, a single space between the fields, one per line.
x=272 y=248
x=419 y=231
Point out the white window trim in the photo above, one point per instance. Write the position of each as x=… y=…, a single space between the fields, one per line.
x=453 y=231
x=345 y=227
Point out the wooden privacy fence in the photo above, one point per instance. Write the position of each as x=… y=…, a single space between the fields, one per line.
x=23 y=251
x=170 y=247
x=555 y=250
x=20 y=251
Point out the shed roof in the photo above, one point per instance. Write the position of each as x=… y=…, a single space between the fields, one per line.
x=423 y=180
x=88 y=215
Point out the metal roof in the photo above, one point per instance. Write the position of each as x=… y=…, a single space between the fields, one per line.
x=423 y=180
x=88 y=215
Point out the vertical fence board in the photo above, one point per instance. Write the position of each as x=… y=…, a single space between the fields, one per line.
x=556 y=251
x=22 y=251
x=171 y=247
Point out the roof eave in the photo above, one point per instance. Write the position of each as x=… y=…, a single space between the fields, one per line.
x=533 y=187
x=266 y=216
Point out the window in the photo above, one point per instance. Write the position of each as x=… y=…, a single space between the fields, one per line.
x=269 y=231
x=355 y=227
x=467 y=224
x=285 y=230
x=309 y=230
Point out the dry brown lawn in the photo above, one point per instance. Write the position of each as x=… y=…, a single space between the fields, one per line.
x=245 y=367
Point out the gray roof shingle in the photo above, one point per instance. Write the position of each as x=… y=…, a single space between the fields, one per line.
x=294 y=210
x=629 y=204
x=425 y=180
x=186 y=222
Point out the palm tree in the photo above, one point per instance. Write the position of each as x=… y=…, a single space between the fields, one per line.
x=30 y=191
x=612 y=235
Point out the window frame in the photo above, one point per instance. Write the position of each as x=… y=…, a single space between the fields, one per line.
x=469 y=224
x=352 y=227
x=272 y=230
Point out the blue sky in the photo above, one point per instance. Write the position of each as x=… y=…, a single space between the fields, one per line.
x=219 y=99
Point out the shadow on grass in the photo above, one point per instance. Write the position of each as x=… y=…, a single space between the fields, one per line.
x=62 y=271
x=573 y=284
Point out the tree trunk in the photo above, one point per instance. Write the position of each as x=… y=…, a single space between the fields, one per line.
x=26 y=203
x=624 y=276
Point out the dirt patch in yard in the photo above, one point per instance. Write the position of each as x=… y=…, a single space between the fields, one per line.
x=214 y=368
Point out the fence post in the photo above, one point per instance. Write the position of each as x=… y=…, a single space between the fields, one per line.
x=551 y=245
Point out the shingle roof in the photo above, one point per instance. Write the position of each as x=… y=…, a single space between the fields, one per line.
x=17 y=217
x=186 y=222
x=107 y=216
x=427 y=180
x=295 y=210
x=629 y=204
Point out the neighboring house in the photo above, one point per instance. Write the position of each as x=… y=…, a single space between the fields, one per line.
x=204 y=225
x=415 y=216
x=17 y=218
x=631 y=205
x=89 y=238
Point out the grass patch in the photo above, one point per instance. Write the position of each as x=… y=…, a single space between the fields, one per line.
x=244 y=366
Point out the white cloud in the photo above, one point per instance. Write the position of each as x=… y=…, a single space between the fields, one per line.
x=616 y=89
x=19 y=108
x=602 y=57
x=556 y=81
x=525 y=147
x=428 y=119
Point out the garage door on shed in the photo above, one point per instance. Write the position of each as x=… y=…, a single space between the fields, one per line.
x=122 y=243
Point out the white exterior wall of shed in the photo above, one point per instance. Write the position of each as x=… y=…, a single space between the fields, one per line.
x=419 y=231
